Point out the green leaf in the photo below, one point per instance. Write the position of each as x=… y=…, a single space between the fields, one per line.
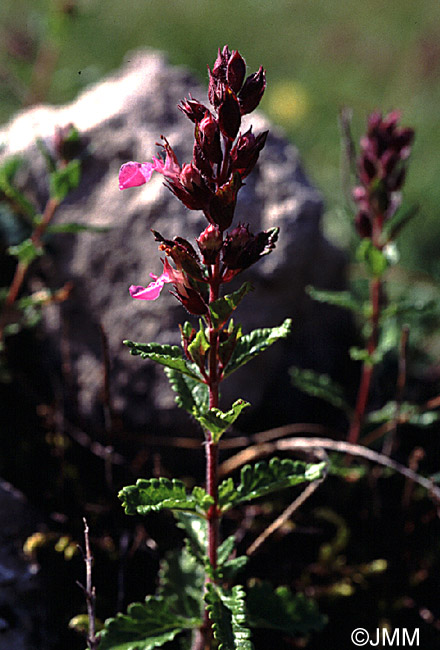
x=249 y=345
x=47 y=155
x=64 y=180
x=196 y=530
x=375 y=260
x=7 y=172
x=262 y=478
x=191 y=395
x=393 y=227
x=145 y=626
x=225 y=549
x=167 y=355
x=199 y=346
x=152 y=495
x=411 y=412
x=319 y=385
x=73 y=228
x=338 y=298
x=222 y=308
x=217 y=421
x=227 y=612
x=26 y=251
x=9 y=168
x=233 y=566
x=292 y=614
x=360 y=354
x=226 y=347
x=228 y=567
x=181 y=580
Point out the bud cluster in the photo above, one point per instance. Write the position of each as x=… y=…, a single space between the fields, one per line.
x=222 y=158
x=381 y=171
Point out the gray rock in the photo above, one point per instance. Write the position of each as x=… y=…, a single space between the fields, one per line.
x=123 y=117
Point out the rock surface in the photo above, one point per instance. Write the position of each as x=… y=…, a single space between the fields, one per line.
x=122 y=117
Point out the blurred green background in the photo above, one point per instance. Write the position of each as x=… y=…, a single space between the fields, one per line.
x=320 y=55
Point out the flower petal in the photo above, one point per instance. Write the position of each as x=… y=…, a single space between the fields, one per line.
x=133 y=174
x=152 y=292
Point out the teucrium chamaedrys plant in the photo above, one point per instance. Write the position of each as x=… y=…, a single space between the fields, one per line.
x=193 y=594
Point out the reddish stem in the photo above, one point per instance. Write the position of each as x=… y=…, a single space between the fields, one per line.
x=22 y=267
x=211 y=446
x=203 y=640
x=367 y=368
x=212 y=489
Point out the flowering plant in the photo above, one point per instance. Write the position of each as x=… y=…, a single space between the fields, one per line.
x=195 y=597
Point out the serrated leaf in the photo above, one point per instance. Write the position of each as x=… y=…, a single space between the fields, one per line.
x=73 y=228
x=281 y=610
x=26 y=251
x=152 y=495
x=145 y=626
x=262 y=478
x=199 y=346
x=225 y=549
x=227 y=611
x=249 y=345
x=167 y=355
x=217 y=421
x=228 y=567
x=191 y=395
x=64 y=179
x=337 y=298
x=375 y=260
x=410 y=412
x=222 y=308
x=181 y=580
x=319 y=385
x=196 y=530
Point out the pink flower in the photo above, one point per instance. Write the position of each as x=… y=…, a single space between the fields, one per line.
x=133 y=174
x=152 y=291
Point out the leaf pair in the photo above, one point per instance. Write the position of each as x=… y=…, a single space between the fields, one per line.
x=185 y=376
x=152 y=495
x=177 y=606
